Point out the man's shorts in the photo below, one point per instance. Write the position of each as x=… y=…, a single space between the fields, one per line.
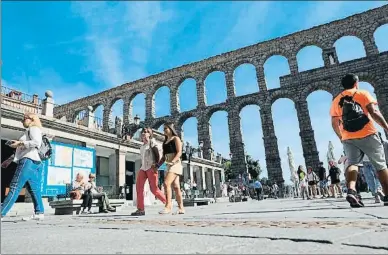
x=323 y=184
x=372 y=146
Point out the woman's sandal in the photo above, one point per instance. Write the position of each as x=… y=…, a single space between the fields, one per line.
x=165 y=211
x=179 y=212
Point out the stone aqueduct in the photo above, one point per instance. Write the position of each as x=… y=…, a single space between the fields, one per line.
x=297 y=86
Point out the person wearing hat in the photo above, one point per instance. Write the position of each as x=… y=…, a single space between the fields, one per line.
x=172 y=152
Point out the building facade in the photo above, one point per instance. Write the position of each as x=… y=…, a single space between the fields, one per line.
x=117 y=159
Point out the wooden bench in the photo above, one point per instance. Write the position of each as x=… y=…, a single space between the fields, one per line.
x=196 y=201
x=71 y=207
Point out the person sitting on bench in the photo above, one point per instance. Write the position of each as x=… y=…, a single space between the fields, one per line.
x=92 y=188
x=78 y=192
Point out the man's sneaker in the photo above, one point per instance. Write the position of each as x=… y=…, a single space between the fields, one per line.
x=354 y=199
x=360 y=199
x=380 y=194
x=34 y=217
x=377 y=199
x=138 y=213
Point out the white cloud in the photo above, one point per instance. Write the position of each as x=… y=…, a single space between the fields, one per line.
x=322 y=12
x=114 y=30
x=249 y=25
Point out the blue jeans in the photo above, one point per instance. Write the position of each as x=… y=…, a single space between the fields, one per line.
x=371 y=177
x=29 y=173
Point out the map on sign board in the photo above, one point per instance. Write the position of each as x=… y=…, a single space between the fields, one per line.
x=83 y=158
x=63 y=156
x=58 y=175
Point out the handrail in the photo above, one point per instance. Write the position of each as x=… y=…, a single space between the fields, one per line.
x=20 y=96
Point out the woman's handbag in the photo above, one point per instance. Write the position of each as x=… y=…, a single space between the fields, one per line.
x=155 y=152
x=75 y=194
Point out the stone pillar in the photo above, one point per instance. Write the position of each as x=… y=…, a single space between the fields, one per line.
x=310 y=152
x=260 y=76
x=217 y=182
x=201 y=93
x=222 y=175
x=118 y=126
x=137 y=169
x=105 y=119
x=191 y=172
x=204 y=135
x=229 y=79
x=370 y=46
x=213 y=172
x=381 y=91
x=117 y=170
x=127 y=111
x=90 y=118
x=203 y=177
x=329 y=56
x=236 y=143
x=150 y=106
x=293 y=63
x=272 y=158
x=174 y=101
x=48 y=104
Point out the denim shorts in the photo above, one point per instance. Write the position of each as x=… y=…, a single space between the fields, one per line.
x=323 y=184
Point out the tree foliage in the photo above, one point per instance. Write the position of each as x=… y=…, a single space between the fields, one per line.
x=228 y=171
x=254 y=168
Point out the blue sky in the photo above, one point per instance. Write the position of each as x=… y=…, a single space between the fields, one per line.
x=79 y=48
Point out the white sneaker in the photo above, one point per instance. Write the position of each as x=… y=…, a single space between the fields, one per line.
x=377 y=199
x=34 y=217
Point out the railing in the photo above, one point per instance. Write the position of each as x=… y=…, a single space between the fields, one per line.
x=98 y=122
x=20 y=100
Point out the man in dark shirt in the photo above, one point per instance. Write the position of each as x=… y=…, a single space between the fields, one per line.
x=334 y=174
x=323 y=180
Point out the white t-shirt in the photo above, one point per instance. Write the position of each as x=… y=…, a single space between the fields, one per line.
x=147 y=156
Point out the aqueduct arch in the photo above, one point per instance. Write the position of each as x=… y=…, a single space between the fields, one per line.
x=295 y=86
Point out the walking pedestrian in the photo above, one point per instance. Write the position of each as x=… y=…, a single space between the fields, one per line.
x=29 y=167
x=150 y=156
x=371 y=179
x=258 y=189
x=312 y=180
x=352 y=114
x=323 y=180
x=172 y=152
x=334 y=175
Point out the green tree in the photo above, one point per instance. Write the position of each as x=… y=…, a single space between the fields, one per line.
x=228 y=170
x=254 y=168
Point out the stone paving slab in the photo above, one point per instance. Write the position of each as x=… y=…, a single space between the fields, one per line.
x=270 y=226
